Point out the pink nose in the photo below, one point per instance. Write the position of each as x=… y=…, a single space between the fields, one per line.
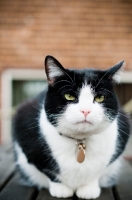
x=85 y=112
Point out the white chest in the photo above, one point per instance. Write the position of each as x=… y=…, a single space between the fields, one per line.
x=99 y=149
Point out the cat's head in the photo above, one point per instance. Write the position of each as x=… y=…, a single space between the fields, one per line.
x=80 y=102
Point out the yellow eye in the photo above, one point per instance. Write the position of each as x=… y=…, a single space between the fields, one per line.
x=99 y=99
x=69 y=97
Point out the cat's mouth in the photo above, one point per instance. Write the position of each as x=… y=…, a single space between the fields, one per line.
x=84 y=122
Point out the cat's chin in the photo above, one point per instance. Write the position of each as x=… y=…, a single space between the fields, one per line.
x=78 y=131
x=84 y=129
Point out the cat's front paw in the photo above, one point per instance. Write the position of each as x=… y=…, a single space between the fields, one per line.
x=88 y=192
x=60 y=190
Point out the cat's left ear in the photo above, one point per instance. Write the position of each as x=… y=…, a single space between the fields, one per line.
x=53 y=69
x=114 y=73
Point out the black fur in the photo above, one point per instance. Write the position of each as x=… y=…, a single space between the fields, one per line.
x=27 y=134
x=124 y=133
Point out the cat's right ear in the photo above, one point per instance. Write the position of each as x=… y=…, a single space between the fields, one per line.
x=53 y=69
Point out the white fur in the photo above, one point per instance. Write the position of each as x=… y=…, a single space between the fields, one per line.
x=69 y=122
x=100 y=141
x=99 y=149
x=91 y=191
x=117 y=76
x=60 y=190
x=111 y=171
x=54 y=70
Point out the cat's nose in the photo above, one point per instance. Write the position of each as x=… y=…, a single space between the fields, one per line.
x=85 y=112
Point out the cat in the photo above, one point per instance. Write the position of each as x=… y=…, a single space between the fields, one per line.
x=71 y=137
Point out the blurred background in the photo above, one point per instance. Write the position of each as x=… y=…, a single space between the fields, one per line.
x=79 y=33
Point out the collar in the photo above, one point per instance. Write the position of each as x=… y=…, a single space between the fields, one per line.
x=80 y=148
x=73 y=138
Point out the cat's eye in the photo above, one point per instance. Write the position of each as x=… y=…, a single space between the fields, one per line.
x=69 y=97
x=99 y=99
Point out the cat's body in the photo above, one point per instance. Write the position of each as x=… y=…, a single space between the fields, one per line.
x=46 y=130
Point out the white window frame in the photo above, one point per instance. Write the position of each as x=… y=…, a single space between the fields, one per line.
x=8 y=76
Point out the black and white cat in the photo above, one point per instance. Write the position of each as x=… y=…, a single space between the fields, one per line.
x=80 y=107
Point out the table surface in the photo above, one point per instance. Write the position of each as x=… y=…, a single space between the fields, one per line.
x=10 y=189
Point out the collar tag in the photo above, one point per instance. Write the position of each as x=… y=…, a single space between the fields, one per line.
x=80 y=150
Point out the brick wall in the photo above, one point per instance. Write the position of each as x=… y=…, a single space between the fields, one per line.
x=79 y=33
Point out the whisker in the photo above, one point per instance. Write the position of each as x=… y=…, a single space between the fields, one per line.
x=122 y=114
x=108 y=91
x=36 y=108
x=123 y=132
x=66 y=90
x=32 y=127
x=122 y=139
x=69 y=76
x=33 y=123
x=62 y=81
x=63 y=87
x=55 y=116
x=74 y=76
x=122 y=123
x=118 y=112
x=102 y=78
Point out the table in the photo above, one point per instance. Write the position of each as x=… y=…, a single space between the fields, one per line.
x=10 y=189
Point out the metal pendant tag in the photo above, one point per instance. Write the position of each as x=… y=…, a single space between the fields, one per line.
x=80 y=151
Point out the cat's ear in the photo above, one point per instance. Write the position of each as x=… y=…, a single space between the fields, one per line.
x=53 y=69
x=114 y=73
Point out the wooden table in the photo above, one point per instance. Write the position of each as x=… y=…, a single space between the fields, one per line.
x=10 y=189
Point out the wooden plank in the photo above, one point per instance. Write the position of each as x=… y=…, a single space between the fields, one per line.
x=15 y=191
x=7 y=166
x=124 y=187
x=106 y=194
x=45 y=195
